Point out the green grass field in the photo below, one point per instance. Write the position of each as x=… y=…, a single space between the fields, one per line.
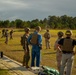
x=14 y=49
x=4 y=72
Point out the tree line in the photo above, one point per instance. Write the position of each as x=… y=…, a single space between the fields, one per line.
x=53 y=22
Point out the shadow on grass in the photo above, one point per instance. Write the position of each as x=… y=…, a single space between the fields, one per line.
x=16 y=50
x=14 y=44
x=49 y=53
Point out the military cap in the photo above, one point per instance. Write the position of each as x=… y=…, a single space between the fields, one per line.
x=60 y=33
x=68 y=32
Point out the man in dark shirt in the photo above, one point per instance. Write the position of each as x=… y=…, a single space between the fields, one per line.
x=67 y=45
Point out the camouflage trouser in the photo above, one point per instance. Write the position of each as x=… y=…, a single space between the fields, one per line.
x=11 y=37
x=6 y=41
x=58 y=58
x=67 y=61
x=26 y=59
x=47 y=42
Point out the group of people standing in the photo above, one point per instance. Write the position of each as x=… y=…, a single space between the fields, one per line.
x=65 y=52
x=35 y=39
x=6 y=34
x=64 y=47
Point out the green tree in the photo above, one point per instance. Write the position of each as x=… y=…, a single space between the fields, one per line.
x=1 y=24
x=6 y=23
x=12 y=24
x=19 y=23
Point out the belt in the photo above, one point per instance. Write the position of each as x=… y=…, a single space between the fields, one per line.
x=65 y=52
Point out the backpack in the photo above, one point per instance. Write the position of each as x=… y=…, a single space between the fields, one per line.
x=34 y=39
x=67 y=45
x=22 y=40
x=47 y=35
x=48 y=71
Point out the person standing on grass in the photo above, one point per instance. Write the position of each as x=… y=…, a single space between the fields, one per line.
x=11 y=33
x=58 y=52
x=6 y=36
x=47 y=39
x=3 y=33
x=35 y=40
x=25 y=45
x=67 y=46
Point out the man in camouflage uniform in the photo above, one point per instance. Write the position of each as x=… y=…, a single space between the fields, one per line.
x=67 y=46
x=6 y=36
x=47 y=39
x=11 y=32
x=3 y=33
x=58 y=51
x=25 y=44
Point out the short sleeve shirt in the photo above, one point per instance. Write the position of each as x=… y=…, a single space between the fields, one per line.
x=62 y=41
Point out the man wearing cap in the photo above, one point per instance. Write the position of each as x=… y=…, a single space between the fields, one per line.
x=67 y=45
x=25 y=44
x=36 y=41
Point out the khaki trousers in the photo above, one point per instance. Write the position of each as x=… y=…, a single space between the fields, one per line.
x=47 y=43
x=67 y=60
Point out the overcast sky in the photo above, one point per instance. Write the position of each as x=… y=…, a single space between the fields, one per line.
x=36 y=9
